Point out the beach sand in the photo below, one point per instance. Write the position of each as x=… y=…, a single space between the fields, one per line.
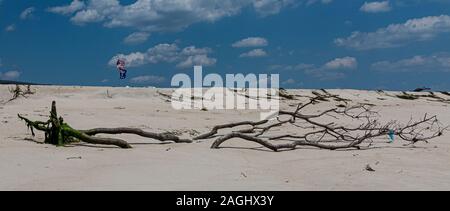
x=25 y=164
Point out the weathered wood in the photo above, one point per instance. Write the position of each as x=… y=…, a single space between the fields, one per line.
x=59 y=133
x=331 y=136
x=136 y=131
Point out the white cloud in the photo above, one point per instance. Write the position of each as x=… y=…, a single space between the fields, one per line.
x=10 y=75
x=395 y=35
x=271 y=7
x=167 y=15
x=132 y=60
x=10 y=28
x=87 y=16
x=309 y=2
x=301 y=66
x=27 y=13
x=376 y=7
x=251 y=42
x=168 y=53
x=254 y=53
x=289 y=81
x=416 y=2
x=439 y=62
x=342 y=63
x=73 y=7
x=148 y=79
x=136 y=38
x=200 y=59
x=332 y=70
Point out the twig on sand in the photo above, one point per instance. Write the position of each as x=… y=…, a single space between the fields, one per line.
x=369 y=168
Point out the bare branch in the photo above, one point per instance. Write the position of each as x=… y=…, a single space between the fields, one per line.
x=314 y=132
x=57 y=132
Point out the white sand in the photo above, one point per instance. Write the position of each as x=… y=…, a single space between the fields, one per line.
x=26 y=165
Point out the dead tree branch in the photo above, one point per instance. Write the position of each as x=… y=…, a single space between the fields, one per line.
x=316 y=132
x=216 y=129
x=431 y=96
x=18 y=92
x=136 y=131
x=59 y=133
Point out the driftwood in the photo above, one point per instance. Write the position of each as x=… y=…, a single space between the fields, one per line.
x=216 y=128
x=330 y=135
x=445 y=93
x=17 y=92
x=421 y=89
x=59 y=133
x=309 y=129
x=430 y=96
x=322 y=96
x=284 y=94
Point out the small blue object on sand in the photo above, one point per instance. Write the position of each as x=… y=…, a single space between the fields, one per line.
x=391 y=136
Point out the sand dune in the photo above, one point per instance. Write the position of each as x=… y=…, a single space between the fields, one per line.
x=27 y=165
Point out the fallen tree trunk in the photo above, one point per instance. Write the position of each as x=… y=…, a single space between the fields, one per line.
x=59 y=133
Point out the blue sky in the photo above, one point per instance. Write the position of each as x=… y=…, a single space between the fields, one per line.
x=394 y=45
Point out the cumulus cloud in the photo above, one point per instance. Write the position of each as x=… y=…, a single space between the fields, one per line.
x=301 y=66
x=334 y=69
x=200 y=59
x=70 y=9
x=148 y=79
x=341 y=63
x=439 y=62
x=271 y=7
x=87 y=16
x=376 y=7
x=416 y=2
x=136 y=38
x=254 y=53
x=289 y=81
x=27 y=13
x=158 y=15
x=395 y=35
x=10 y=75
x=168 y=53
x=10 y=28
x=309 y=2
x=251 y=42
